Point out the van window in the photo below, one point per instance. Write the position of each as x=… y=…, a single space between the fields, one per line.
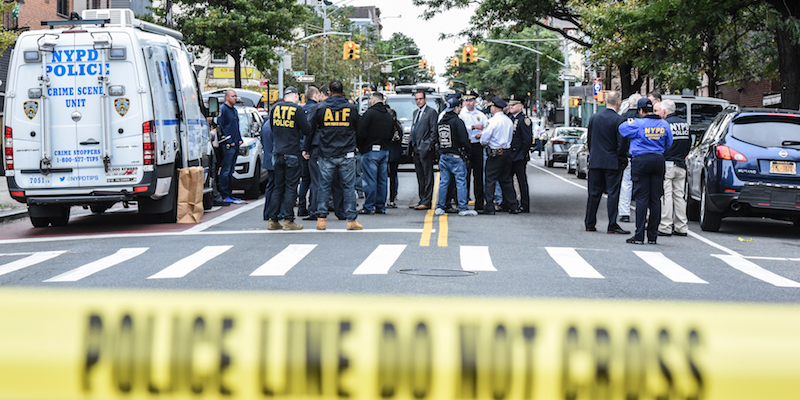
x=765 y=133
x=680 y=110
x=703 y=114
x=404 y=106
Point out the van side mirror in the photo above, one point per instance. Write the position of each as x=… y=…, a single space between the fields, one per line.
x=213 y=106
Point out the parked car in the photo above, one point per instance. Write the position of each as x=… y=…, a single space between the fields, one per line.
x=402 y=101
x=582 y=162
x=745 y=165
x=572 y=154
x=559 y=142
x=249 y=173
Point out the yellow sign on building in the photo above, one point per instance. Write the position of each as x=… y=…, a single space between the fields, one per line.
x=228 y=73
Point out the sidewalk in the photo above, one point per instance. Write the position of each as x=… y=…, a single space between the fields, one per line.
x=9 y=208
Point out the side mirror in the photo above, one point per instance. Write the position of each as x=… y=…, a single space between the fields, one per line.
x=213 y=105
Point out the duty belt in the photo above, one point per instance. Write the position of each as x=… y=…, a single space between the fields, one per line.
x=495 y=152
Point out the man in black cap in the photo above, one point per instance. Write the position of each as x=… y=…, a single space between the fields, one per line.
x=474 y=120
x=520 y=149
x=289 y=123
x=497 y=137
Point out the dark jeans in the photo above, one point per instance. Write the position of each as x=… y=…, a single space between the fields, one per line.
x=229 y=154
x=305 y=184
x=287 y=174
x=393 y=167
x=647 y=174
x=599 y=181
x=313 y=170
x=345 y=169
x=498 y=170
x=476 y=165
x=375 y=173
x=452 y=169
x=268 y=192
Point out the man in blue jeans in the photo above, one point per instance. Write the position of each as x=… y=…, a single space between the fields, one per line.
x=337 y=120
x=453 y=145
x=373 y=136
x=230 y=139
x=289 y=123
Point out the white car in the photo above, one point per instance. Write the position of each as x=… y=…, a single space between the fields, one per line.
x=249 y=173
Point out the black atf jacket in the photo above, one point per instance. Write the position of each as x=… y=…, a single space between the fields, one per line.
x=337 y=121
x=289 y=125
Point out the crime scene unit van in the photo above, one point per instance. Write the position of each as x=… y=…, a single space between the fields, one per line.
x=101 y=110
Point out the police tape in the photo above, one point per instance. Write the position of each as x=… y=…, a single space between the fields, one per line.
x=63 y=344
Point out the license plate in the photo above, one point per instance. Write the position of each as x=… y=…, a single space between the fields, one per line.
x=782 y=167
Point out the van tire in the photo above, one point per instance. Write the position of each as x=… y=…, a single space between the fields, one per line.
x=100 y=208
x=255 y=187
x=62 y=219
x=171 y=215
x=40 y=222
x=208 y=200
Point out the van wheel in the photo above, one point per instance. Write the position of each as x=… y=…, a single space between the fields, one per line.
x=171 y=215
x=253 y=191
x=99 y=208
x=208 y=200
x=62 y=219
x=40 y=222
x=709 y=220
x=581 y=174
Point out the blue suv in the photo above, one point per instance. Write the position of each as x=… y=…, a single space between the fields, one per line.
x=745 y=165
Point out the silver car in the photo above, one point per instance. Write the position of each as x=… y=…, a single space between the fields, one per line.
x=572 y=154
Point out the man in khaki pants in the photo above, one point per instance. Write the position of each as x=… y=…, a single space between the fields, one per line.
x=673 y=203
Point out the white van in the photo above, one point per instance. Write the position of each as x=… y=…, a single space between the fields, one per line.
x=98 y=111
x=696 y=110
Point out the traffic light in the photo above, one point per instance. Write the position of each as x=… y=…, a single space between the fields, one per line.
x=454 y=62
x=468 y=54
x=423 y=64
x=356 y=51
x=349 y=50
x=575 y=101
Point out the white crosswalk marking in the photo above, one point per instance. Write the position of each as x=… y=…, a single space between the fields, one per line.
x=749 y=268
x=106 y=262
x=574 y=265
x=668 y=267
x=381 y=260
x=32 y=259
x=476 y=258
x=284 y=261
x=189 y=264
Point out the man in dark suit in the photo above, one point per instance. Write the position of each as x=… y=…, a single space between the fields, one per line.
x=423 y=144
x=607 y=159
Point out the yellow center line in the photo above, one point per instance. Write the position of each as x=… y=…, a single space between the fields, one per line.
x=443 y=230
x=427 y=228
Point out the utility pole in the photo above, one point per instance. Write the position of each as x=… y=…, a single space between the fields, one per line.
x=566 y=82
x=305 y=50
x=538 y=76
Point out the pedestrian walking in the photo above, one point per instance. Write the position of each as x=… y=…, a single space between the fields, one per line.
x=423 y=147
x=230 y=139
x=374 y=133
x=474 y=120
x=337 y=119
x=673 y=203
x=497 y=137
x=289 y=124
x=626 y=187
x=650 y=136
x=607 y=159
x=453 y=146
x=521 y=143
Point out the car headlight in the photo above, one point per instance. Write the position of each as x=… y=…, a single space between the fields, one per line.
x=244 y=151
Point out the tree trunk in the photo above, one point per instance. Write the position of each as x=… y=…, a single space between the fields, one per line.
x=237 y=71
x=788 y=60
x=629 y=86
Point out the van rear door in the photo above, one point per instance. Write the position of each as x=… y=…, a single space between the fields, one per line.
x=163 y=96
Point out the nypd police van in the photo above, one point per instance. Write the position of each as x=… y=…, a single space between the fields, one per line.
x=101 y=110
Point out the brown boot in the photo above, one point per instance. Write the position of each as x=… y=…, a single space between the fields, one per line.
x=274 y=226
x=354 y=226
x=291 y=226
x=322 y=224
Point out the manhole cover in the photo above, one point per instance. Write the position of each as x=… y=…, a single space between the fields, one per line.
x=437 y=272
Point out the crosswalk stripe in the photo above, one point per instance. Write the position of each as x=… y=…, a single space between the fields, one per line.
x=284 y=261
x=574 y=265
x=476 y=258
x=749 y=268
x=381 y=260
x=32 y=259
x=189 y=264
x=96 y=266
x=668 y=267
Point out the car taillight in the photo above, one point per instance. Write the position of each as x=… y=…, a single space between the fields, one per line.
x=148 y=140
x=8 y=145
x=558 y=142
x=726 y=153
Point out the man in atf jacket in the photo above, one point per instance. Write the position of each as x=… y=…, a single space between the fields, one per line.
x=373 y=137
x=337 y=121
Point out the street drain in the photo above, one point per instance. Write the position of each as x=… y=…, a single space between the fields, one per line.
x=437 y=272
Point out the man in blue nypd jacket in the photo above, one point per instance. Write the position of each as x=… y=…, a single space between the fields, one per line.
x=650 y=136
x=607 y=160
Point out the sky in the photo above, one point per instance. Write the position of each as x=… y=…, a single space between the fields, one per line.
x=424 y=33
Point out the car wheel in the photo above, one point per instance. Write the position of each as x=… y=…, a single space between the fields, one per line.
x=692 y=205
x=580 y=173
x=709 y=220
x=99 y=208
x=253 y=191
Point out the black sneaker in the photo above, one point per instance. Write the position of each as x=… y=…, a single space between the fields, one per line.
x=651 y=241
x=664 y=234
x=222 y=204
x=676 y=233
x=311 y=217
x=364 y=211
x=633 y=240
x=302 y=212
x=625 y=218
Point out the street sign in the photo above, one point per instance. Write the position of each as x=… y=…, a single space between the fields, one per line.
x=298 y=73
x=386 y=68
x=568 y=78
x=263 y=83
x=542 y=87
x=305 y=78
x=597 y=87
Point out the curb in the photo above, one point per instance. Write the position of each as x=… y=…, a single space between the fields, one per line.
x=12 y=215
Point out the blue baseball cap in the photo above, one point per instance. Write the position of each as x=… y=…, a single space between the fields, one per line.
x=644 y=103
x=452 y=103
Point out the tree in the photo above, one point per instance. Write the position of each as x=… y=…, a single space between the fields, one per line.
x=240 y=28
x=7 y=37
x=397 y=46
x=785 y=22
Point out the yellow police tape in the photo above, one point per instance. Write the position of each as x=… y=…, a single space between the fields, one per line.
x=61 y=344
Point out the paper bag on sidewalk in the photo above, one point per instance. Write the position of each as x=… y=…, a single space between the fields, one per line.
x=190 y=195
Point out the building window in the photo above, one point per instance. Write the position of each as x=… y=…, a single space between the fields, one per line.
x=62 y=8
x=219 y=57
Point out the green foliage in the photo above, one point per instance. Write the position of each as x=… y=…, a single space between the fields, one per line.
x=7 y=37
x=400 y=45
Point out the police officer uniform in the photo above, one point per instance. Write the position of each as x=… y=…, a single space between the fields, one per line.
x=497 y=138
x=650 y=136
x=475 y=167
x=521 y=143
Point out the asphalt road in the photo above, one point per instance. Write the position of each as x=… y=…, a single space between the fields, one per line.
x=545 y=254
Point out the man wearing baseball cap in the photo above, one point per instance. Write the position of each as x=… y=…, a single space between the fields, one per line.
x=497 y=137
x=650 y=136
x=453 y=144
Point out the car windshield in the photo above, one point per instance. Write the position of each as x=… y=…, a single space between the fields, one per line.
x=404 y=106
x=767 y=133
x=703 y=114
x=244 y=124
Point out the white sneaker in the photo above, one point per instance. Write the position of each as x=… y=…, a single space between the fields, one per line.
x=438 y=211
x=468 y=213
